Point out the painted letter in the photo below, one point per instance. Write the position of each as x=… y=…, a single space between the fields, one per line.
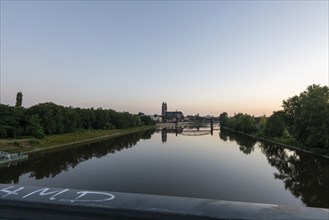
x=5 y=190
x=43 y=192
x=83 y=193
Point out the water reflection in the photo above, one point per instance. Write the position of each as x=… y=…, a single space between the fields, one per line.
x=305 y=175
x=164 y=135
x=201 y=166
x=165 y=131
x=187 y=130
x=246 y=144
x=45 y=166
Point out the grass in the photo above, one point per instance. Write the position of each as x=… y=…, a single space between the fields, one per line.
x=61 y=140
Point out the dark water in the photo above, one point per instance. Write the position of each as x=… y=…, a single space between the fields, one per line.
x=187 y=162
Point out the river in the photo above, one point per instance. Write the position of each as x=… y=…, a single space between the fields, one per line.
x=190 y=162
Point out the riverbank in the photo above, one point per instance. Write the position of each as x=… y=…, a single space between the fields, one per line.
x=278 y=143
x=51 y=142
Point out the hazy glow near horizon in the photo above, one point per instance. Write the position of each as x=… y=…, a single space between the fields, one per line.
x=199 y=57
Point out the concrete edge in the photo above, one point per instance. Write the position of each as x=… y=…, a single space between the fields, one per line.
x=31 y=202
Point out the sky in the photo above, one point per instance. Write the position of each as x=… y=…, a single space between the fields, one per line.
x=200 y=57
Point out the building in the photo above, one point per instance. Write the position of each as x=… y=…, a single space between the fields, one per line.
x=171 y=116
x=164 y=109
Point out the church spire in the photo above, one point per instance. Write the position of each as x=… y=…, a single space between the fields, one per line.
x=164 y=108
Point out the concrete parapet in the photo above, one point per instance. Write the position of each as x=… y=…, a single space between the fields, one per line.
x=30 y=202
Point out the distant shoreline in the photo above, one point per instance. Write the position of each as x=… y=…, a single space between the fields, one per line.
x=275 y=142
x=57 y=142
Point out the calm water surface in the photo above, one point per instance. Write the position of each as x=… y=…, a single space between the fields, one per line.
x=189 y=162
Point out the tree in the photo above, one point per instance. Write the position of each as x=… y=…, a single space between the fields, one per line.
x=147 y=120
x=248 y=124
x=51 y=115
x=223 y=119
x=34 y=128
x=19 y=99
x=275 y=124
x=240 y=122
x=261 y=124
x=6 y=120
x=71 y=120
x=309 y=116
x=291 y=108
x=12 y=121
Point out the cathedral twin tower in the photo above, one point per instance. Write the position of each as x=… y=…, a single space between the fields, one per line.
x=164 y=108
x=170 y=115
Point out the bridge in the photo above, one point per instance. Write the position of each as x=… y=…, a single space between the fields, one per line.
x=177 y=123
x=187 y=128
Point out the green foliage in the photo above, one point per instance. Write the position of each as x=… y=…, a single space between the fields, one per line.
x=304 y=121
x=34 y=128
x=275 y=125
x=248 y=124
x=19 y=99
x=12 y=121
x=49 y=118
x=262 y=122
x=146 y=120
x=223 y=118
x=309 y=116
x=242 y=123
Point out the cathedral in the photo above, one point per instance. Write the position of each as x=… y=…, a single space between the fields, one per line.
x=170 y=116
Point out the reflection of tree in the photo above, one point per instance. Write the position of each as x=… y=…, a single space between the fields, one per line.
x=305 y=175
x=246 y=144
x=51 y=164
x=223 y=135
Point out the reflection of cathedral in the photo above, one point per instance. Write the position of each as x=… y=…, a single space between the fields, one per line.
x=170 y=115
x=165 y=131
x=164 y=135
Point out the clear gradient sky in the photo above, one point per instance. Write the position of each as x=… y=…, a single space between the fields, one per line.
x=199 y=57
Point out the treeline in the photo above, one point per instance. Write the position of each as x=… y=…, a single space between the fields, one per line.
x=304 y=121
x=49 y=118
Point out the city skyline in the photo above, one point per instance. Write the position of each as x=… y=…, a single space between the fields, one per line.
x=199 y=57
